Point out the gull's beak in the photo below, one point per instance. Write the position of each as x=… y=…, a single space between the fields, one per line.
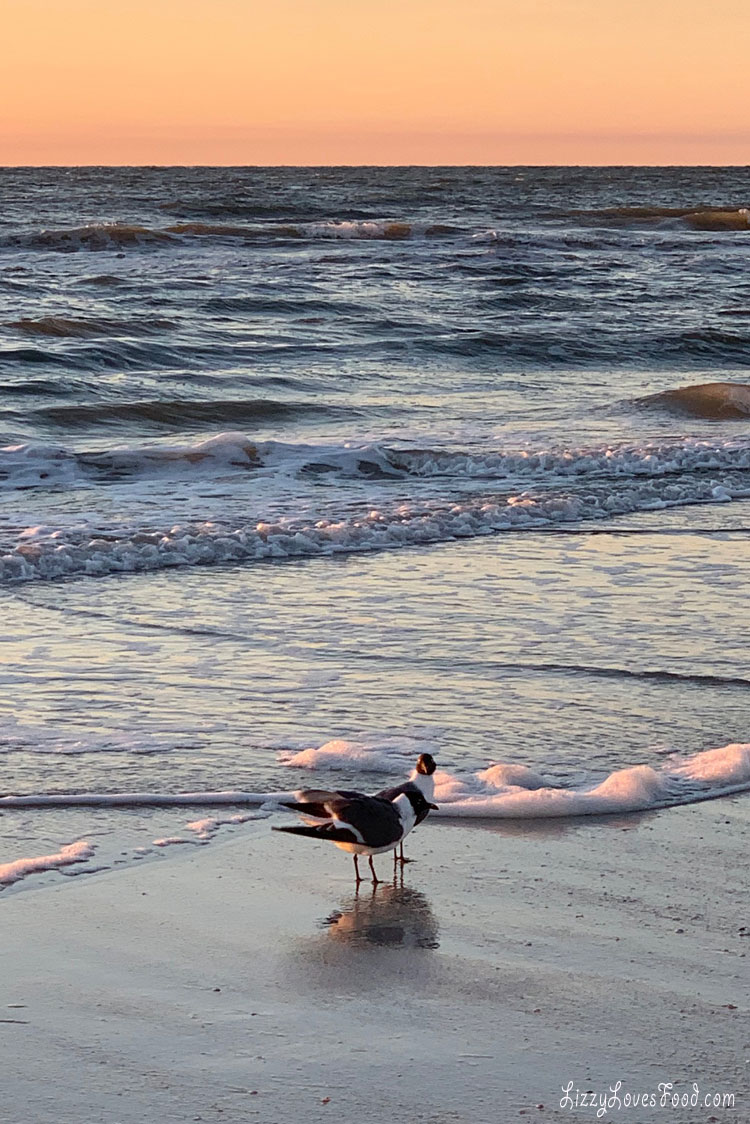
x=434 y=807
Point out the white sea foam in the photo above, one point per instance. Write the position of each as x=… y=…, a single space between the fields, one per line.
x=626 y=790
x=207 y=827
x=14 y=871
x=380 y=229
x=642 y=459
x=729 y=764
x=39 y=465
x=374 y=755
x=577 y=484
x=43 y=553
x=503 y=776
x=502 y=791
x=494 y=795
x=28 y=465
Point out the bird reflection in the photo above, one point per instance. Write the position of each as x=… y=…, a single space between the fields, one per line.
x=392 y=916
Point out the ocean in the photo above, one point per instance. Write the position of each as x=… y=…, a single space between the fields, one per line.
x=307 y=470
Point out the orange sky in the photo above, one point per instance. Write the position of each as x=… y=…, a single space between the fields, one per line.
x=359 y=82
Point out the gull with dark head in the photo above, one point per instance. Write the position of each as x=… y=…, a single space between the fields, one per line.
x=357 y=823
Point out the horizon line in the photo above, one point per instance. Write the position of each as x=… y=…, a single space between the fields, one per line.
x=419 y=164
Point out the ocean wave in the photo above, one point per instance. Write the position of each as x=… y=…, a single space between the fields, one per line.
x=177 y=413
x=384 y=754
x=716 y=400
x=492 y=794
x=555 y=347
x=719 y=220
x=102 y=280
x=276 y=303
x=698 y=217
x=386 y=230
x=382 y=230
x=48 y=553
x=33 y=356
x=95 y=236
x=500 y=791
x=227 y=230
x=709 y=343
x=71 y=327
x=95 y=351
x=121 y=236
x=41 y=465
x=514 y=791
x=35 y=387
x=28 y=466
x=593 y=671
x=649 y=459
x=127 y=236
x=342 y=330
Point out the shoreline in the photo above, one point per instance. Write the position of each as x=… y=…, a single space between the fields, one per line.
x=247 y=982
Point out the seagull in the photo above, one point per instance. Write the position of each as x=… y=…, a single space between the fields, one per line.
x=359 y=824
x=422 y=779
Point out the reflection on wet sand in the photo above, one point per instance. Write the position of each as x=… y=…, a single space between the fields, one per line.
x=382 y=936
x=394 y=916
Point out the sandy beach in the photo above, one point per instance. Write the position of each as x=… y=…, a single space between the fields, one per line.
x=306 y=472
x=245 y=981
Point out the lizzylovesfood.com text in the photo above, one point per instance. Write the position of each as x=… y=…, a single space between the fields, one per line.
x=616 y=1099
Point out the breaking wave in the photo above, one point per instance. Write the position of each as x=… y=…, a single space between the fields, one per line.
x=696 y=217
x=514 y=791
x=501 y=791
x=717 y=400
x=27 y=466
x=119 y=236
x=497 y=793
x=125 y=236
x=96 y=236
x=650 y=459
x=41 y=465
x=388 y=230
x=47 y=553
x=380 y=230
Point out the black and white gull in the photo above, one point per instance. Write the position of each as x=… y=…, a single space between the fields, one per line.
x=422 y=779
x=357 y=823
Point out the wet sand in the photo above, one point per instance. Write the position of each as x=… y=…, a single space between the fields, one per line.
x=244 y=981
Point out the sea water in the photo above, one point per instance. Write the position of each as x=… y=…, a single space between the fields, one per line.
x=306 y=471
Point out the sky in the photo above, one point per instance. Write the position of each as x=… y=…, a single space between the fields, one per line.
x=360 y=82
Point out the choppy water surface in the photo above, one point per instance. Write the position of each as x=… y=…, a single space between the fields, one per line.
x=371 y=460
